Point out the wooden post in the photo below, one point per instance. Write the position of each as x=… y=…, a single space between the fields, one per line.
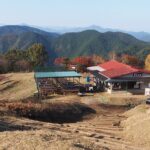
x=111 y=87
x=126 y=86
x=109 y=90
x=37 y=86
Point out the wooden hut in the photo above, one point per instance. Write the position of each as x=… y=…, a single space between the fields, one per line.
x=60 y=82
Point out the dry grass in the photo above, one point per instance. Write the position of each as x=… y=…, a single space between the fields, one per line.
x=31 y=140
x=101 y=132
x=137 y=125
x=17 y=86
x=121 y=98
x=45 y=140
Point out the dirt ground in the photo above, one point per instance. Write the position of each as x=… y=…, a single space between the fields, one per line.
x=112 y=127
x=17 y=86
x=101 y=132
x=137 y=125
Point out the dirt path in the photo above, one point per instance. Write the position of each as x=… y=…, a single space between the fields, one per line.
x=102 y=132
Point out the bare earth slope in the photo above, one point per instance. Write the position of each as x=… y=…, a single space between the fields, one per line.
x=137 y=125
x=102 y=132
x=17 y=86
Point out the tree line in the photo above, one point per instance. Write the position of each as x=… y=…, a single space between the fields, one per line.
x=82 y=62
x=16 y=60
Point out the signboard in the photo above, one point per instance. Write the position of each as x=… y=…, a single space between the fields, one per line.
x=137 y=74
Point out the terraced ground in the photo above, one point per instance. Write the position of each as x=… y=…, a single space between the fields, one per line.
x=101 y=132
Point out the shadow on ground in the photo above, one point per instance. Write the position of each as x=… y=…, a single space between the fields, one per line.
x=54 y=112
x=7 y=126
x=9 y=86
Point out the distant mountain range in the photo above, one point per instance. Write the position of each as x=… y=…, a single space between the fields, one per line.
x=144 y=36
x=22 y=37
x=91 y=42
x=73 y=44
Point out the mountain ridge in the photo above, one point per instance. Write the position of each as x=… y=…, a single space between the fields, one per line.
x=93 y=42
x=22 y=37
x=144 y=36
x=72 y=44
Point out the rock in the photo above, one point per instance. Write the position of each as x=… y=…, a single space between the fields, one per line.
x=116 y=123
x=99 y=136
x=75 y=131
x=92 y=135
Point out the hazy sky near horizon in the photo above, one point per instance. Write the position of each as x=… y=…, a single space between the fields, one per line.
x=131 y=15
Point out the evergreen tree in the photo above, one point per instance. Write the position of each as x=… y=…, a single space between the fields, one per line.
x=37 y=55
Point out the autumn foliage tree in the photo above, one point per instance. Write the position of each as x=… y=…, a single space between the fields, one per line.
x=59 y=61
x=12 y=56
x=66 y=62
x=112 y=55
x=3 y=65
x=22 y=65
x=130 y=60
x=82 y=63
x=97 y=59
x=15 y=60
x=147 y=62
x=83 y=60
x=62 y=61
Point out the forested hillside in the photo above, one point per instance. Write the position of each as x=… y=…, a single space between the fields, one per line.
x=92 y=42
x=71 y=45
x=22 y=37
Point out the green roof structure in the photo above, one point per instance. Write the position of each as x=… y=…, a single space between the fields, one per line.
x=60 y=74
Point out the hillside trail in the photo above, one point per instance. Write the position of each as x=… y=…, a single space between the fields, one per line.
x=102 y=131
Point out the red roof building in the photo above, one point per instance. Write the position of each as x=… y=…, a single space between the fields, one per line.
x=113 y=64
x=121 y=76
x=115 y=69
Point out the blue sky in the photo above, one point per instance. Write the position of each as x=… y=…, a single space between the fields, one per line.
x=122 y=14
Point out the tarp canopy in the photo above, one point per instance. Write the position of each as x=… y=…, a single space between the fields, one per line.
x=95 y=68
x=61 y=74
